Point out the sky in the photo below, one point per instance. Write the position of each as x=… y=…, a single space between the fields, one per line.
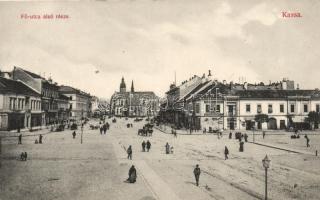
x=149 y=41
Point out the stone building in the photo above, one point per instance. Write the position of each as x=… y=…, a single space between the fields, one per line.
x=79 y=102
x=49 y=91
x=20 y=106
x=133 y=103
x=218 y=105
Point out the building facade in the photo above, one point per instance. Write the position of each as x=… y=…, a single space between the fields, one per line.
x=50 y=96
x=20 y=106
x=216 y=105
x=133 y=103
x=79 y=102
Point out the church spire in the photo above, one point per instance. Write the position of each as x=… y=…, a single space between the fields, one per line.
x=122 y=85
x=132 y=87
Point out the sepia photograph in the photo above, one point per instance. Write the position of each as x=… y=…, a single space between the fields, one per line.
x=160 y=100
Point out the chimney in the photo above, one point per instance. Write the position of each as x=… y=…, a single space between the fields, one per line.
x=284 y=84
x=298 y=86
x=209 y=73
x=245 y=85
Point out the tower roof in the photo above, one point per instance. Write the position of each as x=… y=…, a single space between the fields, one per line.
x=122 y=84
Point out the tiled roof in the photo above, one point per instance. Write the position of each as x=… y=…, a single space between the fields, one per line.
x=70 y=90
x=17 y=87
x=31 y=73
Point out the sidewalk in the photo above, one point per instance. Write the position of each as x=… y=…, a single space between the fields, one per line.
x=282 y=148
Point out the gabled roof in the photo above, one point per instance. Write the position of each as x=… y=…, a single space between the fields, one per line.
x=33 y=75
x=17 y=87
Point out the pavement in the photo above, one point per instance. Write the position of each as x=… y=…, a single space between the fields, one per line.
x=62 y=168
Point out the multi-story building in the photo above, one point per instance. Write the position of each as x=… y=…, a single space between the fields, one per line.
x=49 y=92
x=133 y=103
x=79 y=102
x=235 y=106
x=20 y=106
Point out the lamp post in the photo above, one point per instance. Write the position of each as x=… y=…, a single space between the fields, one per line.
x=81 y=125
x=253 y=130
x=266 y=164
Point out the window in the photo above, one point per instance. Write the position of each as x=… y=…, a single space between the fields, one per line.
x=218 y=108
x=292 y=108
x=248 y=108
x=197 y=108
x=317 y=108
x=281 y=108
x=207 y=108
x=259 y=109
x=270 y=110
x=305 y=108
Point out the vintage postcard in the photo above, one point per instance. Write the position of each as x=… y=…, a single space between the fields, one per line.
x=159 y=100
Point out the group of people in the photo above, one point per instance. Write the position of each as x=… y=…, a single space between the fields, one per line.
x=104 y=127
x=146 y=145
x=39 y=141
x=169 y=149
x=23 y=156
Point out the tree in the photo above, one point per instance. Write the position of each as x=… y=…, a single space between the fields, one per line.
x=313 y=118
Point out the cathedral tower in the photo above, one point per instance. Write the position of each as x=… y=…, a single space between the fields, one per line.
x=132 y=87
x=122 y=85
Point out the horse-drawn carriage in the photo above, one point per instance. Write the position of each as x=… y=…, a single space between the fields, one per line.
x=147 y=130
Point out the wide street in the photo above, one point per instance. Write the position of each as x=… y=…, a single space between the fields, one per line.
x=62 y=168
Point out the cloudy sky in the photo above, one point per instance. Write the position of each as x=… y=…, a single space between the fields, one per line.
x=147 y=41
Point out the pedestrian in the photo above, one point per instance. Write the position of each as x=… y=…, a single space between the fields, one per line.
x=196 y=173
x=25 y=156
x=308 y=140
x=74 y=134
x=226 y=152
x=132 y=174
x=230 y=135
x=148 y=145
x=241 y=148
x=101 y=129
x=263 y=134
x=40 y=139
x=36 y=141
x=129 y=152
x=104 y=129
x=143 y=146
x=245 y=137
x=22 y=156
x=167 y=148
x=20 y=139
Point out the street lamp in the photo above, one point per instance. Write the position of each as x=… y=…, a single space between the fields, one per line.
x=253 y=122
x=266 y=164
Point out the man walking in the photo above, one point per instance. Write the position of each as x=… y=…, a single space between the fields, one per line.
x=40 y=139
x=148 y=145
x=20 y=139
x=74 y=134
x=129 y=152
x=143 y=146
x=196 y=173
x=104 y=129
x=226 y=152
x=308 y=140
